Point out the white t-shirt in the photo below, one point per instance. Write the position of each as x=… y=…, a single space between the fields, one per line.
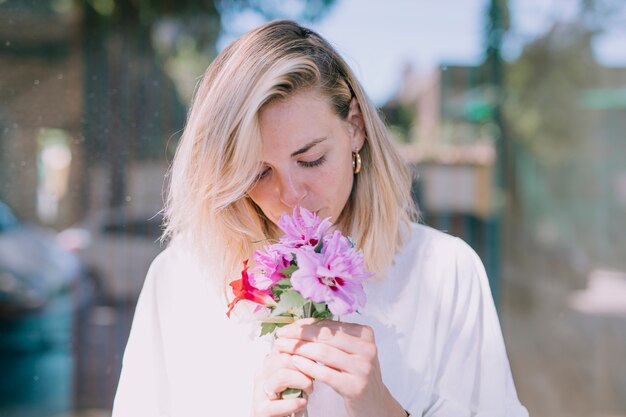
x=439 y=341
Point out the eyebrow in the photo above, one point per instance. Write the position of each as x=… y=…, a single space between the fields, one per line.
x=308 y=146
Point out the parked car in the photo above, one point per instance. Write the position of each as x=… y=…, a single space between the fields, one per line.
x=34 y=269
x=40 y=293
x=118 y=246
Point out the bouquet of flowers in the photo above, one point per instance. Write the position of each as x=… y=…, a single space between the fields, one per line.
x=309 y=272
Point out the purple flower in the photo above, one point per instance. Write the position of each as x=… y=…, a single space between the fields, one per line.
x=269 y=263
x=334 y=276
x=301 y=229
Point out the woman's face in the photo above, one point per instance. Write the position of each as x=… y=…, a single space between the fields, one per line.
x=306 y=155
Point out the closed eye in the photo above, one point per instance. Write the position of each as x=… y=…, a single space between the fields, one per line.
x=311 y=164
x=263 y=174
x=306 y=164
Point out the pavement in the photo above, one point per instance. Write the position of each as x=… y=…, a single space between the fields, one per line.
x=567 y=346
x=100 y=337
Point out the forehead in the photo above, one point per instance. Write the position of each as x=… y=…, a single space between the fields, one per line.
x=296 y=119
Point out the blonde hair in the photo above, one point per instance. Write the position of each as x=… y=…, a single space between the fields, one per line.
x=216 y=162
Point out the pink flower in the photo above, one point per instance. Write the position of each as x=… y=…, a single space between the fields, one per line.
x=334 y=276
x=301 y=229
x=270 y=262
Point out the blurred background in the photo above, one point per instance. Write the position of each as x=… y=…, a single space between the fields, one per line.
x=511 y=113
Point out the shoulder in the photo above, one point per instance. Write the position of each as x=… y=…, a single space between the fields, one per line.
x=457 y=322
x=425 y=237
x=448 y=278
x=172 y=257
x=427 y=245
x=442 y=263
x=165 y=268
x=176 y=273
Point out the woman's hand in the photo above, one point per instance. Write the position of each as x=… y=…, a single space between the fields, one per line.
x=276 y=375
x=343 y=356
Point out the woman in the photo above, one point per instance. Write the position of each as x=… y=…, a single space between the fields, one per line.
x=279 y=121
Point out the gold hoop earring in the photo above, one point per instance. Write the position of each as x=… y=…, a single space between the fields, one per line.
x=356 y=162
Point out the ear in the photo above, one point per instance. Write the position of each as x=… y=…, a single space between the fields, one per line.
x=356 y=125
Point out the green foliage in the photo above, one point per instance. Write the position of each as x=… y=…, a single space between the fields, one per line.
x=401 y=118
x=543 y=90
x=290 y=393
x=544 y=86
x=267 y=328
x=289 y=270
x=307 y=10
x=280 y=287
x=320 y=307
x=290 y=302
x=321 y=311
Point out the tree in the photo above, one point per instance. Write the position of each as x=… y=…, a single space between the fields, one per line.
x=132 y=107
x=545 y=82
x=563 y=147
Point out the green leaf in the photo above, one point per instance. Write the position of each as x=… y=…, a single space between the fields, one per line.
x=319 y=246
x=324 y=315
x=285 y=282
x=267 y=328
x=291 y=393
x=320 y=307
x=307 y=309
x=288 y=271
x=321 y=311
x=281 y=286
x=289 y=300
x=278 y=291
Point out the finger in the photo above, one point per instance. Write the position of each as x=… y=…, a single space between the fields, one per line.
x=318 y=352
x=319 y=372
x=281 y=408
x=313 y=325
x=275 y=361
x=273 y=364
x=288 y=378
x=349 y=337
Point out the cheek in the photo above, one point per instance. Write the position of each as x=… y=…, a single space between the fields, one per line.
x=263 y=196
x=335 y=181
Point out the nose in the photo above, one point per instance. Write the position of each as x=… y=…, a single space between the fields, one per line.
x=291 y=191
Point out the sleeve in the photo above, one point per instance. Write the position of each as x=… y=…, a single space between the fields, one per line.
x=143 y=385
x=473 y=376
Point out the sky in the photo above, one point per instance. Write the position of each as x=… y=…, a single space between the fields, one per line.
x=378 y=38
